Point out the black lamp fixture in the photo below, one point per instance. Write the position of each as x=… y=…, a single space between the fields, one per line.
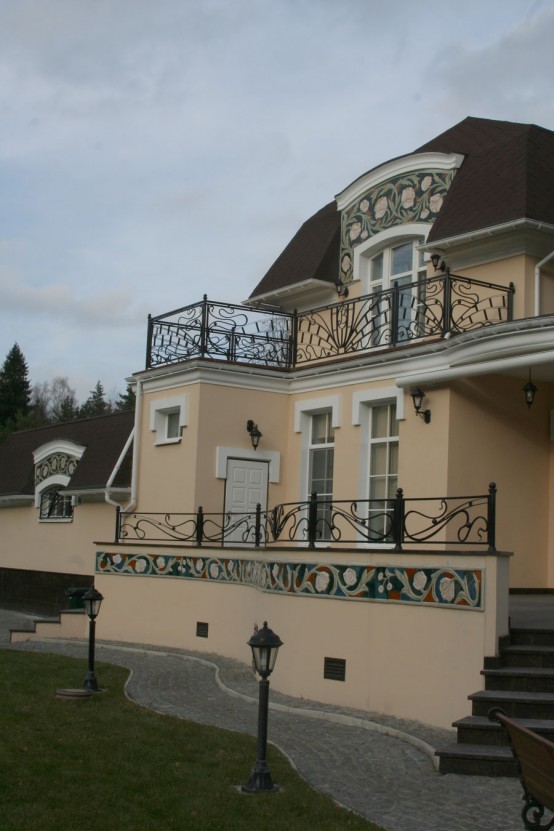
x=92 y=600
x=438 y=262
x=255 y=434
x=529 y=391
x=265 y=646
x=418 y=395
x=342 y=288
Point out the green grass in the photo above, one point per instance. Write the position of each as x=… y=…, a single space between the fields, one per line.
x=108 y=764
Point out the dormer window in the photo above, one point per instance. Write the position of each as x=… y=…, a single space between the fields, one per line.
x=55 y=504
x=402 y=264
x=55 y=464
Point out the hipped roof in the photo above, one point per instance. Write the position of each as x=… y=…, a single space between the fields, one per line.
x=507 y=174
x=103 y=437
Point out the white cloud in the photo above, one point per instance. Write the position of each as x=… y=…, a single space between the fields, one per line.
x=151 y=152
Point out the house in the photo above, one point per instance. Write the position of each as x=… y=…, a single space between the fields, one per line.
x=360 y=453
x=58 y=488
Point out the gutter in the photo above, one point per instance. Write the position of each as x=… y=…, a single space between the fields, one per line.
x=483 y=233
x=478 y=368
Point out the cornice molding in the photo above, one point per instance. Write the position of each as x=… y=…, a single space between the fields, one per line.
x=396 y=167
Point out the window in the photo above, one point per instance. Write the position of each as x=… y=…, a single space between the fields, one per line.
x=402 y=264
x=55 y=504
x=168 y=416
x=321 y=456
x=383 y=468
x=173 y=429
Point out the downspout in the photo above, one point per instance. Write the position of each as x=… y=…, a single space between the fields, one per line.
x=115 y=471
x=538 y=282
x=135 y=438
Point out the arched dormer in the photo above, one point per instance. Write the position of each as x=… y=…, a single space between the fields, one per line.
x=406 y=192
x=55 y=463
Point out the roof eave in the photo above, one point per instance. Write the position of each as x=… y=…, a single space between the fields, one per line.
x=491 y=231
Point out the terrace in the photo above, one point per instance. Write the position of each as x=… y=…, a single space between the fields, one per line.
x=461 y=521
x=433 y=309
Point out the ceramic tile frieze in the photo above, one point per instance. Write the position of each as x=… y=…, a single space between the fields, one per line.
x=413 y=197
x=459 y=588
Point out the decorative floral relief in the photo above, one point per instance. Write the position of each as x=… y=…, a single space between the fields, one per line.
x=416 y=197
x=428 y=586
x=57 y=463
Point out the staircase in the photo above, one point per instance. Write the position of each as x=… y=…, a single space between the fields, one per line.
x=521 y=682
x=71 y=623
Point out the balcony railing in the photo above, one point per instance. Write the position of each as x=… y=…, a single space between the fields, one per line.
x=445 y=521
x=428 y=309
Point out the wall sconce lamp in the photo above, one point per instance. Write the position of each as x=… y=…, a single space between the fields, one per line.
x=418 y=395
x=529 y=391
x=438 y=262
x=342 y=289
x=255 y=434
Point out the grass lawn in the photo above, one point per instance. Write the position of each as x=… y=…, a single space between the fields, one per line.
x=108 y=764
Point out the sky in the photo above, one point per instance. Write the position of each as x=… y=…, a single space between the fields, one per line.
x=152 y=151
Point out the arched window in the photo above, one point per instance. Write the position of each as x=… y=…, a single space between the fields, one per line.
x=401 y=263
x=388 y=260
x=55 y=504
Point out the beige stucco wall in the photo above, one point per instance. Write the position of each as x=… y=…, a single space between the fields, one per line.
x=495 y=437
x=401 y=658
x=54 y=546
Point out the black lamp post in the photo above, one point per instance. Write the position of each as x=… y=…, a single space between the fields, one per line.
x=265 y=645
x=92 y=600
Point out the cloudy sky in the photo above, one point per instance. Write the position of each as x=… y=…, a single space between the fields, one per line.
x=152 y=151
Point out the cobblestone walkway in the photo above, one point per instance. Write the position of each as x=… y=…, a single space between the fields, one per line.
x=380 y=767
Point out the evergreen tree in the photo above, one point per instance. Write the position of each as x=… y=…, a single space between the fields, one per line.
x=126 y=400
x=15 y=389
x=95 y=404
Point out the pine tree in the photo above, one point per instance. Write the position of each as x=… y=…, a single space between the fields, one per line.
x=15 y=389
x=126 y=400
x=95 y=404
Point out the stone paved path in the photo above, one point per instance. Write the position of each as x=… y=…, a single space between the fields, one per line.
x=379 y=767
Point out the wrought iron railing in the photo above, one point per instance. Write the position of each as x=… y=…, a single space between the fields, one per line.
x=445 y=521
x=438 y=307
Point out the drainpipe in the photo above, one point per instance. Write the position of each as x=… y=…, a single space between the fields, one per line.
x=135 y=438
x=538 y=282
x=115 y=471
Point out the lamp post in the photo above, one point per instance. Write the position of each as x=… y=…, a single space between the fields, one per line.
x=92 y=600
x=265 y=645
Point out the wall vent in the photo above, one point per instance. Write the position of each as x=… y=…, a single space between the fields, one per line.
x=334 y=669
x=201 y=630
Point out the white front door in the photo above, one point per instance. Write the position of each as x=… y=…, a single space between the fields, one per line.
x=245 y=487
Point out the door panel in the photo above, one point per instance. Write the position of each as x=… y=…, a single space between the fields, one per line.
x=246 y=486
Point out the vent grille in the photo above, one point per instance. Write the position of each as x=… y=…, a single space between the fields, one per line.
x=334 y=669
x=201 y=630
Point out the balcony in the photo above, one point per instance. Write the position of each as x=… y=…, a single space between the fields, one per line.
x=457 y=521
x=427 y=310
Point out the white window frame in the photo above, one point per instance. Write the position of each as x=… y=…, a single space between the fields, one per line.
x=362 y=403
x=59 y=490
x=160 y=411
x=303 y=410
x=58 y=481
x=390 y=237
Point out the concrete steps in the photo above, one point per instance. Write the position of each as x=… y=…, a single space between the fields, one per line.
x=521 y=682
x=71 y=623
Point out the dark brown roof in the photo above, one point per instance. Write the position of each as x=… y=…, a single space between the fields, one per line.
x=104 y=438
x=507 y=174
x=313 y=253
